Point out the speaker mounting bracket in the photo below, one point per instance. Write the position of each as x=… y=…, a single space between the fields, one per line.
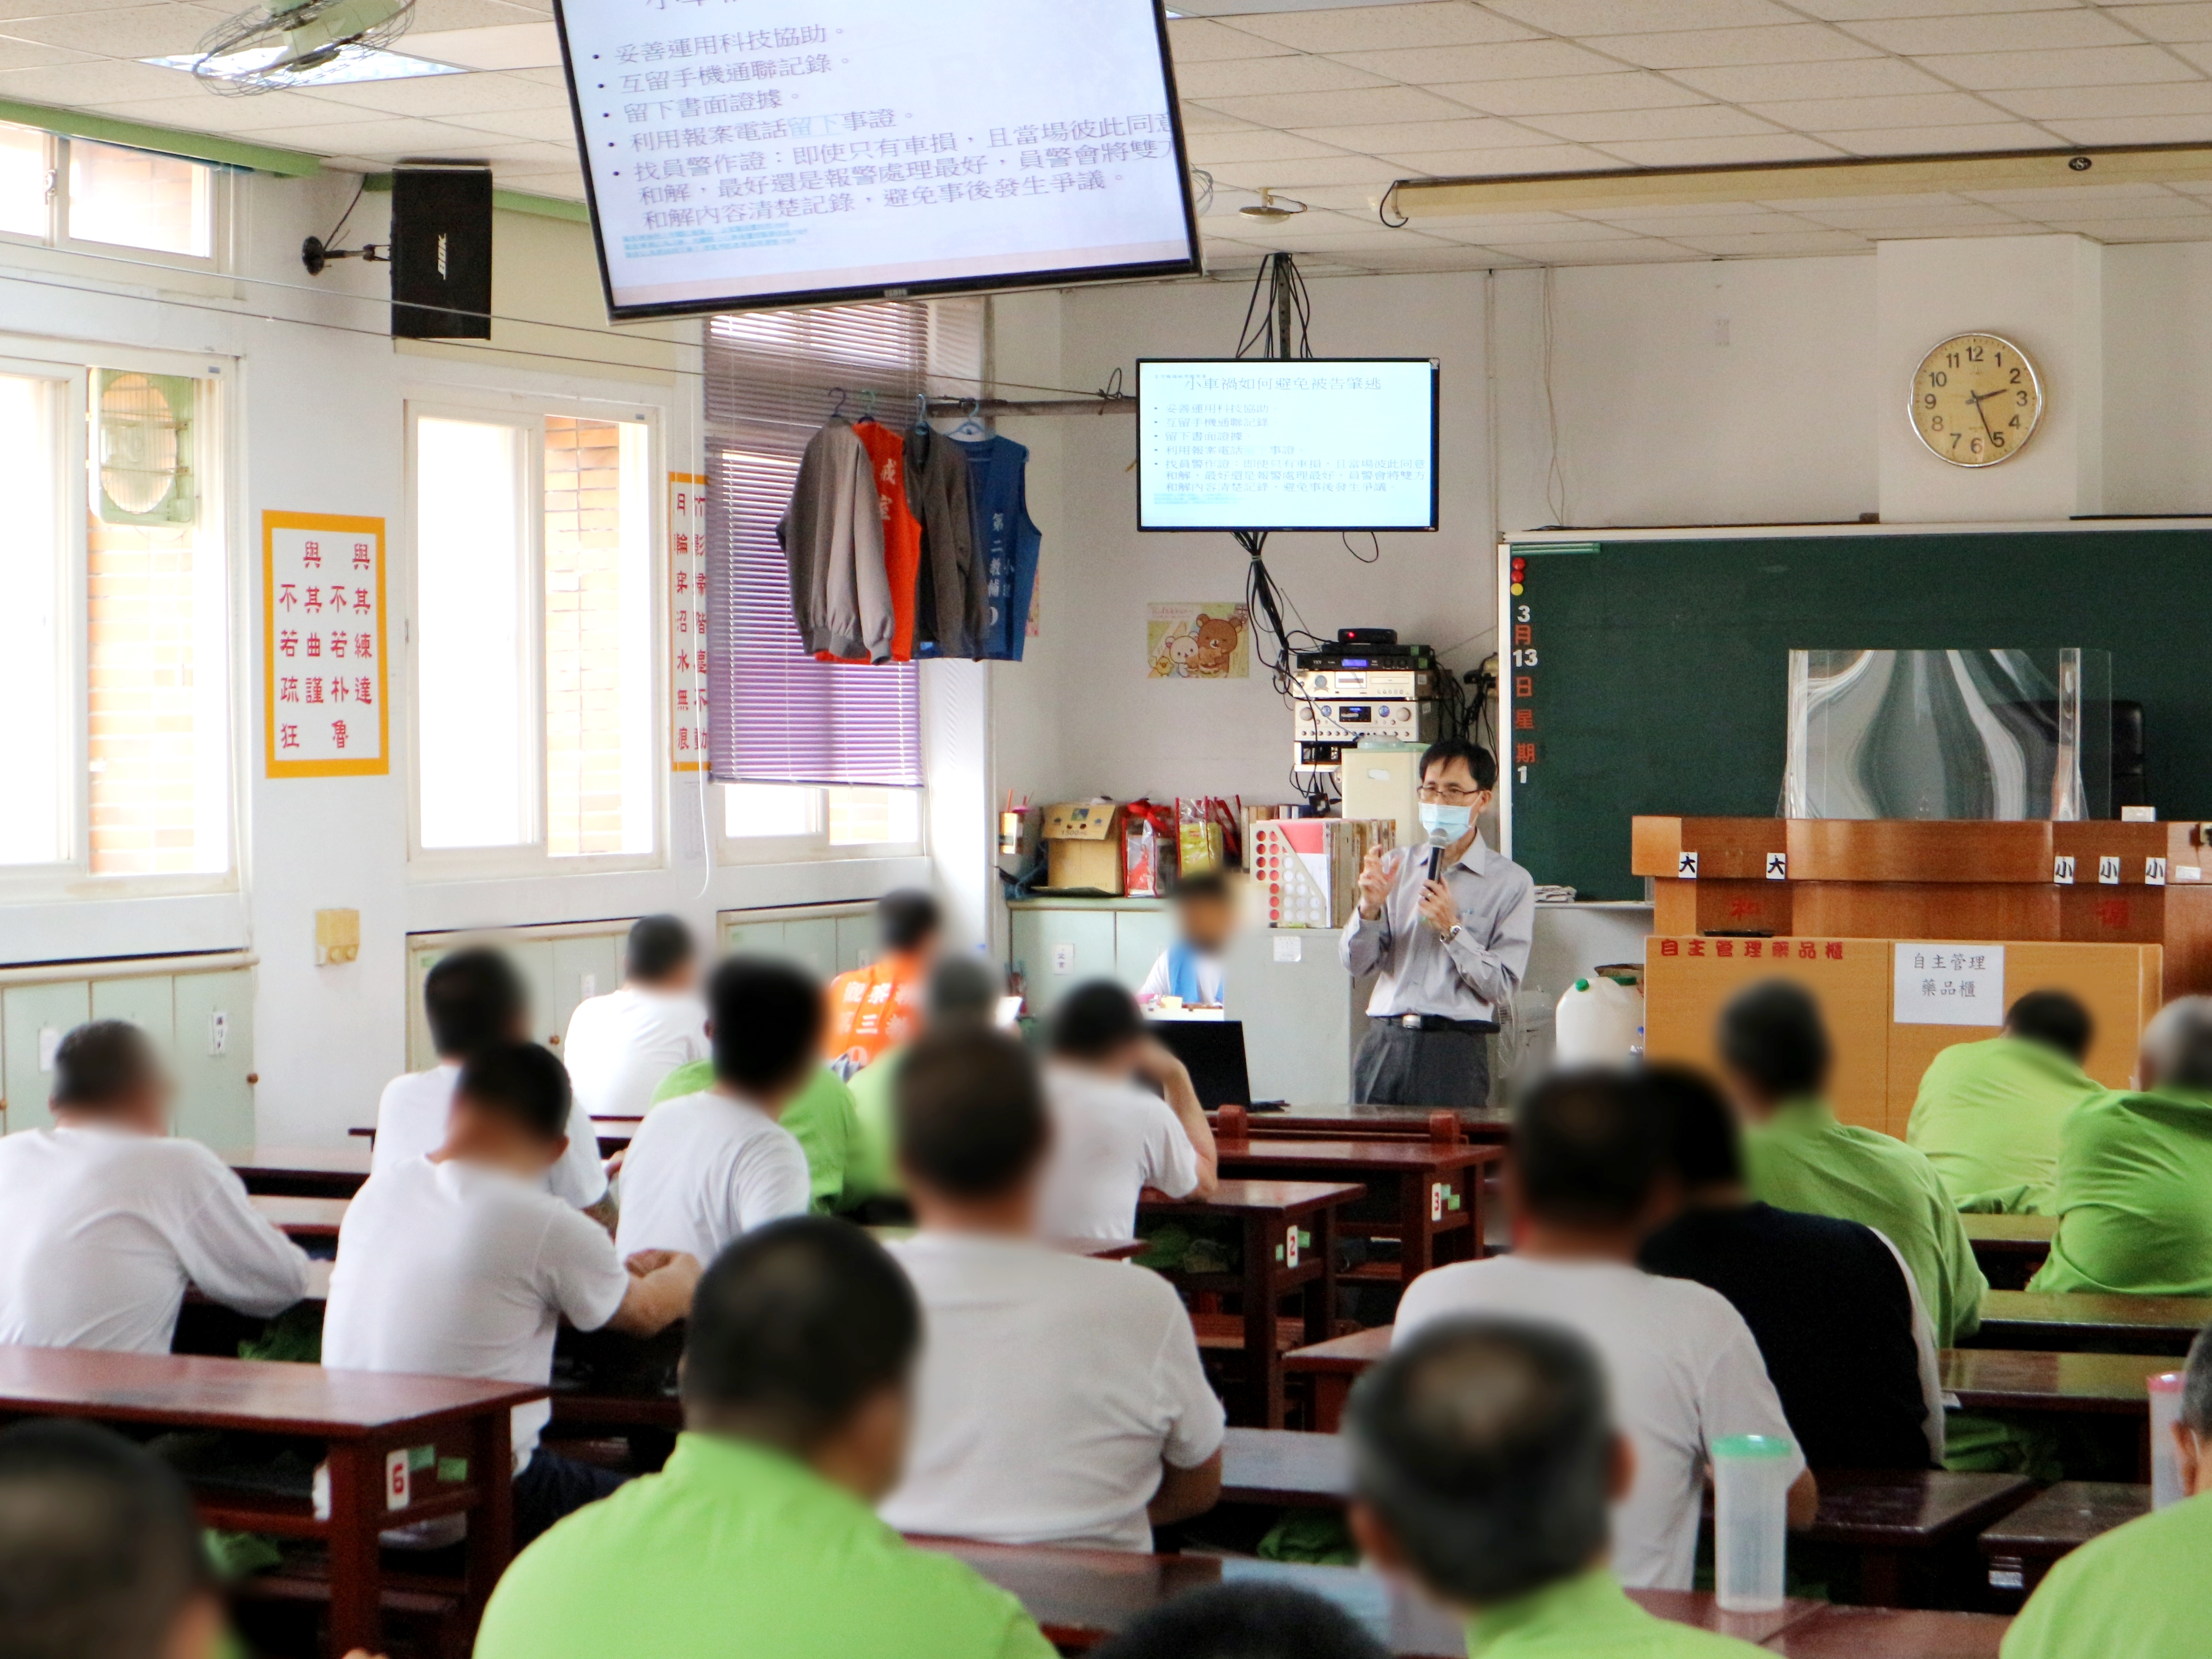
x=314 y=255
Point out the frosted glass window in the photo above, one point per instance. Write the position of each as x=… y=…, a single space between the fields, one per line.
x=34 y=744
x=26 y=163
x=135 y=199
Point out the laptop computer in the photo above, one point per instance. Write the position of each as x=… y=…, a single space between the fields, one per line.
x=1212 y=1051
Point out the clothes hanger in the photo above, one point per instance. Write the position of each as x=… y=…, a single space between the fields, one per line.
x=840 y=407
x=868 y=404
x=921 y=411
x=971 y=428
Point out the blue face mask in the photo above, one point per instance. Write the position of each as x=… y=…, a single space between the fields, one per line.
x=1449 y=822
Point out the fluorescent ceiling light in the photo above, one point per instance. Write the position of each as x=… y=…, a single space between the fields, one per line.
x=352 y=64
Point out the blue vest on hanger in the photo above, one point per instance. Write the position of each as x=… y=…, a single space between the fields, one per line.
x=998 y=471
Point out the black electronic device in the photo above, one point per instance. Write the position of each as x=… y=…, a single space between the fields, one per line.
x=442 y=251
x=1367 y=636
x=1213 y=1052
x=1334 y=659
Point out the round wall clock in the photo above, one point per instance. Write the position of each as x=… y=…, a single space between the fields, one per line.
x=1977 y=400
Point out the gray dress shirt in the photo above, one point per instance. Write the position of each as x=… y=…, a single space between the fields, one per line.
x=1473 y=976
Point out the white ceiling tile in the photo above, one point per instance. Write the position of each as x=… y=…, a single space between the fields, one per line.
x=2191 y=21
x=1691 y=121
x=554 y=126
x=2058 y=103
x=1475 y=225
x=1359 y=106
x=1710 y=225
x=2136 y=130
x=1357 y=200
x=1796 y=43
x=1511 y=60
x=1197 y=118
x=1494 y=231
x=1781 y=244
x=2086 y=204
x=1486 y=163
x=1201 y=40
x=568 y=187
x=1587 y=17
x=1850 y=11
x=1264 y=144
x=124 y=32
x=1459 y=158
x=1856 y=77
x=1312 y=170
x=433 y=15
x=263 y=117
x=1926 y=109
x=384 y=139
x=2139 y=230
x=1635 y=251
x=1294 y=73
x=2194 y=52
x=1719 y=152
x=2025 y=31
x=446 y=95
x=2070 y=199
x=1468 y=132
x=1845 y=203
x=1938 y=141
x=96 y=81
x=1912 y=218
x=1555 y=94
x=31 y=54
x=2092 y=66
x=1439 y=24
x=543 y=77
x=502 y=46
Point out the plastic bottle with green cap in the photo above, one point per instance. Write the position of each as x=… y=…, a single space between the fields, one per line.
x=1750 y=1520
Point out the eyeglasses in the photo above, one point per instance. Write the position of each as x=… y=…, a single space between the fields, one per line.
x=1449 y=794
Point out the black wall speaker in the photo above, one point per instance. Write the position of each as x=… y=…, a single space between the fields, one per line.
x=441 y=252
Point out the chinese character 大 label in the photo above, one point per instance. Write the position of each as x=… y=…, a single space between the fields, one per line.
x=324 y=654
x=1948 y=983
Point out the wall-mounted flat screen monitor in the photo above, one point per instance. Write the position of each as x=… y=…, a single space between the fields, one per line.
x=1286 y=444
x=743 y=153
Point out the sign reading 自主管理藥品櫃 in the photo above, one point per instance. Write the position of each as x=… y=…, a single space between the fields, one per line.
x=1948 y=983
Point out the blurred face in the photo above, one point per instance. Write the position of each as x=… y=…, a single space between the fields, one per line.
x=484 y=1134
x=1208 y=921
x=868 y=1455
x=2196 y=1450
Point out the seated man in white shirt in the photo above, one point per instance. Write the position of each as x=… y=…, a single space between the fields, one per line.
x=1110 y=1137
x=706 y=1167
x=620 y=1046
x=472 y=999
x=1190 y=968
x=460 y=1263
x=1585 y=1184
x=1060 y=1400
x=105 y=1220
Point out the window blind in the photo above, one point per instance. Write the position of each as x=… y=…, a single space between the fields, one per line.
x=776 y=716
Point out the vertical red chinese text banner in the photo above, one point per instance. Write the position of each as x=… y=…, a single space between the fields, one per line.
x=323 y=650
x=687 y=621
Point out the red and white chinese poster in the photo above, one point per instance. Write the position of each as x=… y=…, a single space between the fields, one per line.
x=323 y=647
x=687 y=621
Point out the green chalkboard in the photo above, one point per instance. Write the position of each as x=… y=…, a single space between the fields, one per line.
x=1659 y=681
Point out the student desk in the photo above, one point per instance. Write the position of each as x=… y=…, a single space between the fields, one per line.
x=1284 y=1469
x=1483 y=1125
x=615 y=1133
x=2008 y=1248
x=300 y=1171
x=1333 y=1367
x=1430 y=1195
x=303 y=1218
x=1080 y=1598
x=1835 y=1633
x=2020 y=1548
x=2010 y=1379
x=2085 y=1319
x=1106 y=1249
x=375 y=1428
x=1289 y=1230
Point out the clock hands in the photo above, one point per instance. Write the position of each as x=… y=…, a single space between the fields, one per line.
x=1977 y=398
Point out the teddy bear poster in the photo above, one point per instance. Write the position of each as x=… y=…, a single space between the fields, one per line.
x=1198 y=641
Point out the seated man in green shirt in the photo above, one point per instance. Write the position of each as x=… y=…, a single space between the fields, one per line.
x=1776 y=1052
x=962 y=989
x=1484 y=1459
x=1989 y=1112
x=759 y=1541
x=2139 y=1591
x=2135 y=1171
x=819 y=1117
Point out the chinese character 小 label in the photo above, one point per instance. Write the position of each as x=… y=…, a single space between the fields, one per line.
x=323 y=647
x=1948 y=983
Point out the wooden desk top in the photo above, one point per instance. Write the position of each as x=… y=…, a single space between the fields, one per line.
x=1382 y=1157
x=1277 y=1198
x=1081 y=1597
x=280 y=1161
x=1892 y=1508
x=2014 y=1231
x=2088 y=1313
x=1107 y=1249
x=2010 y=1378
x=1284 y=1467
x=303 y=1218
x=2064 y=1517
x=256 y=1396
x=1342 y=1355
x=1479 y=1123
x=1834 y=1632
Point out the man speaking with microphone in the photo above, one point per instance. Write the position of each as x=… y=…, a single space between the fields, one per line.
x=1448 y=925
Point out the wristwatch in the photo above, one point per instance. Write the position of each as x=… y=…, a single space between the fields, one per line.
x=1456 y=930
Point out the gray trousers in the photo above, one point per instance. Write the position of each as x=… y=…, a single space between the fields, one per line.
x=1398 y=1067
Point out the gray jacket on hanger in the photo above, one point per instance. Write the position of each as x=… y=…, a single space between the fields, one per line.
x=952 y=597
x=833 y=538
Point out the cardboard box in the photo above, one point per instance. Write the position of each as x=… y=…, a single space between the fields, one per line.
x=1083 y=847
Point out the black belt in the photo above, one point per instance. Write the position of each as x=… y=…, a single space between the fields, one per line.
x=1437 y=1023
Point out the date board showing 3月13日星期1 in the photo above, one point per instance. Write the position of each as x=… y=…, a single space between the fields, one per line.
x=1977 y=400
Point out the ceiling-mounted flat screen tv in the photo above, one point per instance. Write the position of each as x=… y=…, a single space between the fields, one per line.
x=744 y=154
x=1272 y=443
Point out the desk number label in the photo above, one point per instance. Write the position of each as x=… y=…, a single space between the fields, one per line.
x=398 y=1480
x=2154 y=873
x=1777 y=866
x=1437 y=1200
x=2062 y=871
x=1291 y=1246
x=1686 y=865
x=2108 y=870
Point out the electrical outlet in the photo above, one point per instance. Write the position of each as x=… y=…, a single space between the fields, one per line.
x=1063 y=958
x=218 y=1032
x=48 y=1039
x=588 y=985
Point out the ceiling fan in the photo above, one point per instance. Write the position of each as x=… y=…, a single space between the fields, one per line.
x=290 y=43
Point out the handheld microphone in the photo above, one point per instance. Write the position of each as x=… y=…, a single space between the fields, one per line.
x=1437 y=842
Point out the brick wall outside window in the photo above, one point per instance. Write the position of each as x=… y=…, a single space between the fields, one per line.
x=583 y=645
x=142 y=760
